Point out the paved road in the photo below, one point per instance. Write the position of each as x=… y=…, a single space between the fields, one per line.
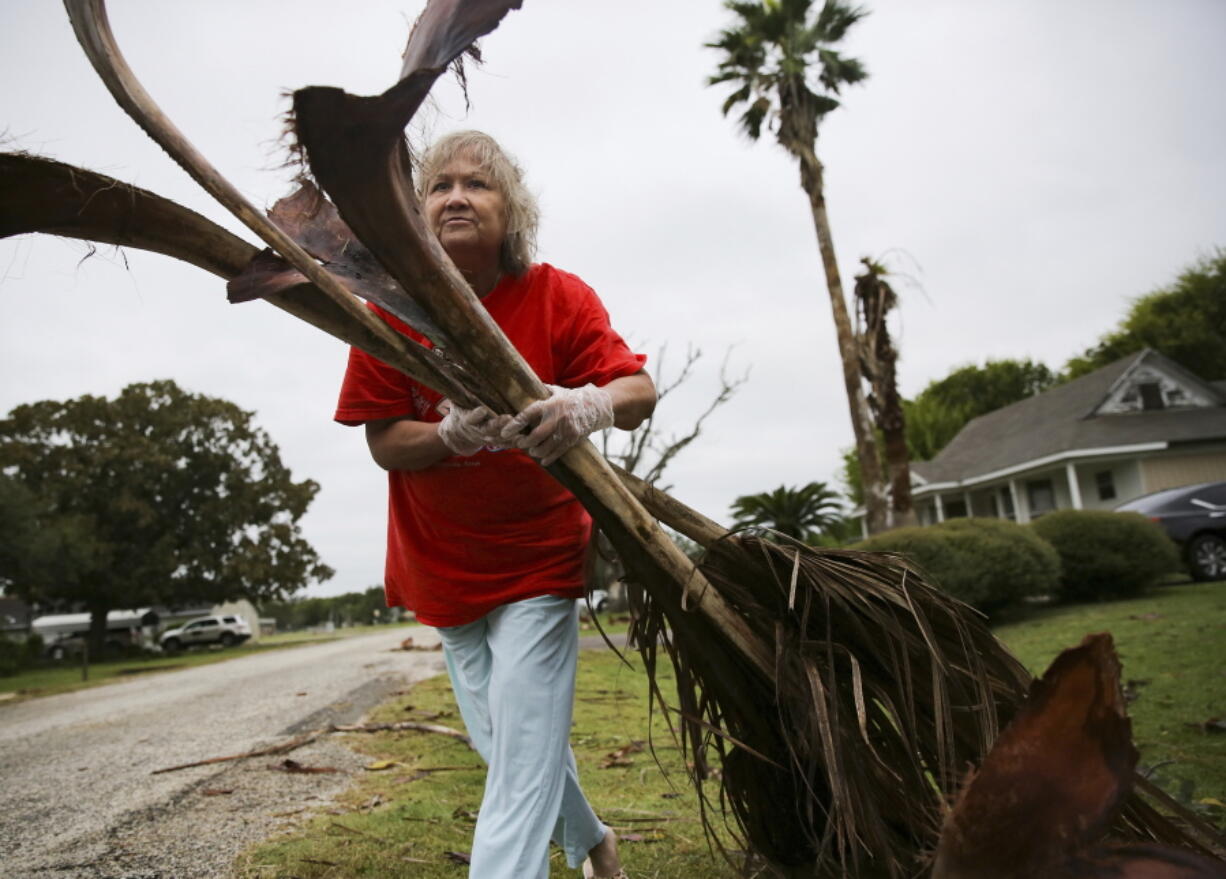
x=76 y=795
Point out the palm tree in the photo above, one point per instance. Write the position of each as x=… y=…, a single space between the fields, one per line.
x=787 y=75
x=797 y=512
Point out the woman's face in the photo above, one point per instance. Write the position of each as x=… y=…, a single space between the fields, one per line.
x=467 y=213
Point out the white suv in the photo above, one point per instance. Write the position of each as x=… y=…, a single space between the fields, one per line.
x=224 y=630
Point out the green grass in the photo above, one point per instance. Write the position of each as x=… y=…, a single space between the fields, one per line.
x=1172 y=646
x=65 y=676
x=402 y=821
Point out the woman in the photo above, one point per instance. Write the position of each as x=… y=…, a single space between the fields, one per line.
x=482 y=542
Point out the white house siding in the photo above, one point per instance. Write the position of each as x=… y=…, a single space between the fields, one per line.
x=1175 y=469
x=1125 y=475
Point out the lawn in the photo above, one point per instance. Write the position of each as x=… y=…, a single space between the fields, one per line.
x=65 y=676
x=411 y=812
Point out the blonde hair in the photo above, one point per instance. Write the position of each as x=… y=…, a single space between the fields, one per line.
x=522 y=213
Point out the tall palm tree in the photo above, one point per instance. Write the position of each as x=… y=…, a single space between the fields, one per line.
x=787 y=75
x=796 y=512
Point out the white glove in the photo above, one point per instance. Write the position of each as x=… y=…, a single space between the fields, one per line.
x=468 y=431
x=547 y=428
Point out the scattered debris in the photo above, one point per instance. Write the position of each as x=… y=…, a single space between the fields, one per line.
x=459 y=857
x=216 y=791
x=317 y=861
x=621 y=757
x=293 y=766
x=407 y=644
x=380 y=765
x=283 y=748
x=1146 y=617
x=462 y=814
x=1212 y=725
x=306 y=739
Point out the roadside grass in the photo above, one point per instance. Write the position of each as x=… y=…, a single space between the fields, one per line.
x=66 y=676
x=405 y=820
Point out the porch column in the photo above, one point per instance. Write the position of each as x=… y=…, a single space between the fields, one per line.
x=966 y=499
x=940 y=507
x=1021 y=514
x=1074 y=490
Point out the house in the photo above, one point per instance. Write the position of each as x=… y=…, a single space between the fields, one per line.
x=1138 y=425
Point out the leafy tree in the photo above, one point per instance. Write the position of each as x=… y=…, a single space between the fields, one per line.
x=787 y=73
x=158 y=496
x=944 y=407
x=797 y=512
x=1185 y=321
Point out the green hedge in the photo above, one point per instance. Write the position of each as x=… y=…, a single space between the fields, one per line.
x=1106 y=555
x=987 y=563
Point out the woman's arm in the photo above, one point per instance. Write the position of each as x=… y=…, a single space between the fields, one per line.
x=405 y=444
x=634 y=398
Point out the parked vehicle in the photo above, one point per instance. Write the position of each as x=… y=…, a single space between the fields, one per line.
x=1195 y=518
x=224 y=630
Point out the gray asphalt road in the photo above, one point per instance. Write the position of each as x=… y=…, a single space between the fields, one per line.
x=76 y=795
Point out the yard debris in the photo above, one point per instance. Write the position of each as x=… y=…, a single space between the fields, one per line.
x=293 y=766
x=1212 y=725
x=317 y=861
x=621 y=757
x=407 y=644
x=462 y=814
x=283 y=748
x=306 y=739
x=459 y=857
x=380 y=765
x=216 y=791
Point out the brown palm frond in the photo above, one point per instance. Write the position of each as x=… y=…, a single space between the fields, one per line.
x=884 y=689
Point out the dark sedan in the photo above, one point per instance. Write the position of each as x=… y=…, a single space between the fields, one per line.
x=1195 y=518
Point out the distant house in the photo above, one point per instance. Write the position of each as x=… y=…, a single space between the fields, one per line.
x=1139 y=425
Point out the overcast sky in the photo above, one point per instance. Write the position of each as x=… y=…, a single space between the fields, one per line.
x=1030 y=165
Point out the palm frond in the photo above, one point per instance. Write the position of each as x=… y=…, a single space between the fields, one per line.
x=883 y=686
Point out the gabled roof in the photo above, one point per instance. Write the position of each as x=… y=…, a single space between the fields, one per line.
x=1061 y=422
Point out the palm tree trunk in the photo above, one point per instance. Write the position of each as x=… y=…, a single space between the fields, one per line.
x=861 y=419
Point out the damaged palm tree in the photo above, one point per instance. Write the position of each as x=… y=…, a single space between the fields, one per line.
x=875 y=299
x=838 y=692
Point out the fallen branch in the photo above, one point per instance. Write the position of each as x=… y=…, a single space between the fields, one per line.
x=402 y=726
x=283 y=748
x=307 y=738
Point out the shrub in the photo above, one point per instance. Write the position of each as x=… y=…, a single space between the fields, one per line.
x=11 y=654
x=1106 y=555
x=987 y=563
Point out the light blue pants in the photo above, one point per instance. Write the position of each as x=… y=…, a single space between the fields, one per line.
x=513 y=673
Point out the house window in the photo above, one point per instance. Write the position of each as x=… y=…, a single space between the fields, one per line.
x=1151 y=396
x=1041 y=495
x=955 y=509
x=1006 y=504
x=1106 y=485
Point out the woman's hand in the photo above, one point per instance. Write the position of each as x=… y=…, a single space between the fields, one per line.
x=547 y=428
x=468 y=431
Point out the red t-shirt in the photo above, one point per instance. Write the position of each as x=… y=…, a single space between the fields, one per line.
x=472 y=533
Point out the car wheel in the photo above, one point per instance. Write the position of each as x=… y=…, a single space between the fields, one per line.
x=228 y=639
x=601 y=605
x=1207 y=557
x=172 y=645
